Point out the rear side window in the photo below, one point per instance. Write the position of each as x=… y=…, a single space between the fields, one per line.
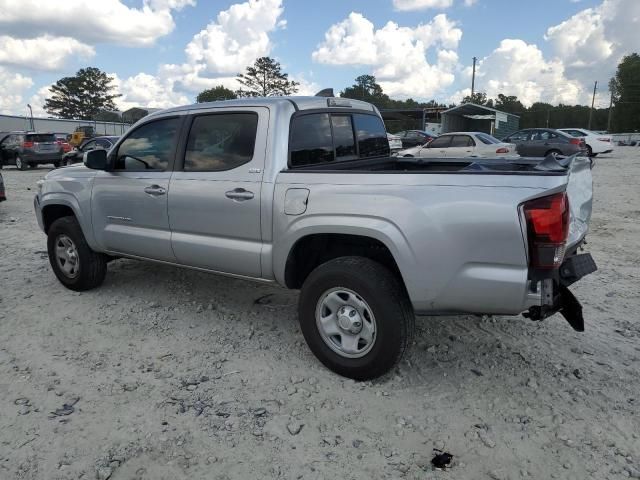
x=221 y=142
x=40 y=138
x=311 y=142
x=462 y=141
x=149 y=147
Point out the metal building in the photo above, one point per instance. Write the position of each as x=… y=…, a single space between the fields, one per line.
x=10 y=123
x=470 y=117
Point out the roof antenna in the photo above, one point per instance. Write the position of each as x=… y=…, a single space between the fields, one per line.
x=327 y=92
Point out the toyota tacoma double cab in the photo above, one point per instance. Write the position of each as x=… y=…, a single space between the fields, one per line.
x=302 y=192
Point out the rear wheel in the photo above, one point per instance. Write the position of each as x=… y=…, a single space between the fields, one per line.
x=590 y=151
x=356 y=317
x=56 y=164
x=20 y=164
x=72 y=260
x=553 y=152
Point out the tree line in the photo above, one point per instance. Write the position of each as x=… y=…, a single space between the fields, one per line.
x=90 y=95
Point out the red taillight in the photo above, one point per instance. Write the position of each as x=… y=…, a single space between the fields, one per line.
x=502 y=150
x=547 y=229
x=27 y=144
x=575 y=141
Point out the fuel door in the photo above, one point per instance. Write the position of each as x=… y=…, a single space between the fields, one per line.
x=295 y=201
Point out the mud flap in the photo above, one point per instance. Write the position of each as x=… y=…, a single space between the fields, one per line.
x=570 y=309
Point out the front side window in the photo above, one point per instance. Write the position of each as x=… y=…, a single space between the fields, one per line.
x=88 y=146
x=221 y=142
x=311 y=142
x=149 y=147
x=440 y=142
x=103 y=143
x=371 y=135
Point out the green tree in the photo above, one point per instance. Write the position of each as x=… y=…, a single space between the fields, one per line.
x=625 y=87
x=265 y=79
x=479 y=98
x=82 y=96
x=366 y=89
x=216 y=93
x=509 y=104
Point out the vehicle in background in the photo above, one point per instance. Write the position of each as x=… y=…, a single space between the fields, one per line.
x=463 y=144
x=413 y=138
x=541 y=142
x=303 y=192
x=62 y=139
x=395 y=144
x=75 y=155
x=27 y=150
x=81 y=134
x=596 y=142
x=3 y=195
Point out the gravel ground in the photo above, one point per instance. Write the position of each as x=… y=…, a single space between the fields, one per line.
x=165 y=373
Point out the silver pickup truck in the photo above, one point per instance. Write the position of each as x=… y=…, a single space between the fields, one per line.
x=302 y=192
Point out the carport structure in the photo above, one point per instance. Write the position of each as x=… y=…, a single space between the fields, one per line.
x=471 y=117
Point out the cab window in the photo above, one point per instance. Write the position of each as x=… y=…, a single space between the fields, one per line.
x=149 y=147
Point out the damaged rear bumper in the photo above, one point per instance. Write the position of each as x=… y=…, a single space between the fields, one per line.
x=556 y=296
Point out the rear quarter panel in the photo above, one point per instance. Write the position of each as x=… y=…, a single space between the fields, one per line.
x=457 y=239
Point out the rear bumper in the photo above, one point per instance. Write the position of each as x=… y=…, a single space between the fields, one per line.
x=42 y=158
x=555 y=294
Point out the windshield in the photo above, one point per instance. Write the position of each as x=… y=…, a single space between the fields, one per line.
x=486 y=138
x=40 y=137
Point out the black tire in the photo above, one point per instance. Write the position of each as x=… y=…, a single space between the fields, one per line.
x=590 y=151
x=553 y=152
x=388 y=301
x=20 y=164
x=92 y=266
x=56 y=164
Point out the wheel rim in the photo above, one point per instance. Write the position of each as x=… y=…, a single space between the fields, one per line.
x=18 y=162
x=67 y=256
x=346 y=322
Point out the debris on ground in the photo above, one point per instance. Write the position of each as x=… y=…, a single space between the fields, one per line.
x=442 y=459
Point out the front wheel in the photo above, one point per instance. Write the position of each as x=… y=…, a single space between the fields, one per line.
x=74 y=263
x=20 y=164
x=356 y=317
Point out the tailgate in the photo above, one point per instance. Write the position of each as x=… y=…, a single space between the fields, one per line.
x=580 y=193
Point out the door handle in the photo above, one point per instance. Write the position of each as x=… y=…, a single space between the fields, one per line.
x=155 y=190
x=239 y=194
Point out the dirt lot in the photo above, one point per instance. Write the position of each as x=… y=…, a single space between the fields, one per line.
x=172 y=374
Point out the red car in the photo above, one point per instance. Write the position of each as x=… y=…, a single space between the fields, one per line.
x=61 y=139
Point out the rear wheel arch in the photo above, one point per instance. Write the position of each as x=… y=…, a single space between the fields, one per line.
x=314 y=249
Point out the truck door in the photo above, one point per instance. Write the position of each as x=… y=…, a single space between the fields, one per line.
x=129 y=202
x=214 y=204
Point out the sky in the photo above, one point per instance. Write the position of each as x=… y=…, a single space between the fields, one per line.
x=162 y=53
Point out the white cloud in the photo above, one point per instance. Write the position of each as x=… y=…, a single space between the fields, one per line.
x=396 y=54
x=13 y=87
x=104 y=21
x=421 y=4
x=41 y=53
x=469 y=3
x=144 y=90
x=593 y=41
x=518 y=68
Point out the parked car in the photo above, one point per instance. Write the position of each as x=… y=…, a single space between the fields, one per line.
x=395 y=143
x=3 y=194
x=75 y=155
x=597 y=143
x=462 y=144
x=413 y=138
x=540 y=142
x=29 y=149
x=62 y=139
x=369 y=239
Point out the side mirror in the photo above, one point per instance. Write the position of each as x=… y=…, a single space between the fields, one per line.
x=96 y=159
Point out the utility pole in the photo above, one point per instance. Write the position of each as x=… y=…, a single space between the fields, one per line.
x=593 y=101
x=610 y=112
x=473 y=78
